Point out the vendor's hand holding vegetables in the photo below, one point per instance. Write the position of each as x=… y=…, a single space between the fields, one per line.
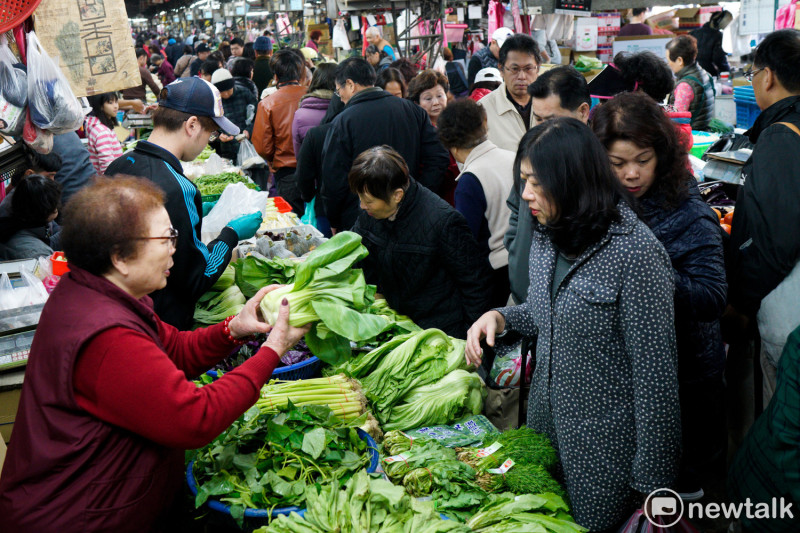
x=486 y=327
x=107 y=400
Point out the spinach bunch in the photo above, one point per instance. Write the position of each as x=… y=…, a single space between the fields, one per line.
x=266 y=461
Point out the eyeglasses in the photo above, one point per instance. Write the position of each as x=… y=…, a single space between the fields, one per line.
x=514 y=71
x=338 y=93
x=750 y=74
x=214 y=136
x=173 y=237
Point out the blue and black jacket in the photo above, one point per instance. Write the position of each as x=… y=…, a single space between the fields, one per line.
x=197 y=266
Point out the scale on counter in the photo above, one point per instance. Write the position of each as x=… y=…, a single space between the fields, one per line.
x=17 y=327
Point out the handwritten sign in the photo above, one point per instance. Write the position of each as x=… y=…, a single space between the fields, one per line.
x=92 y=41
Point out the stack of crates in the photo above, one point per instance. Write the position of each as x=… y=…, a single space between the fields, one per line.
x=747 y=110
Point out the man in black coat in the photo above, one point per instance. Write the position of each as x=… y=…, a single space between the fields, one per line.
x=710 y=54
x=422 y=255
x=373 y=117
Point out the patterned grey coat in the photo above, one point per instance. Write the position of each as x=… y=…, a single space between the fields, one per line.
x=605 y=388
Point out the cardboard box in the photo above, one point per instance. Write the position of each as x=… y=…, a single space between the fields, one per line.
x=665 y=21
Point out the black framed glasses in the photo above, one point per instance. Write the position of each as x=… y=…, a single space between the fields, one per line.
x=173 y=237
x=750 y=74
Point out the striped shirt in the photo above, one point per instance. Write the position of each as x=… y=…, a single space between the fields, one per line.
x=104 y=147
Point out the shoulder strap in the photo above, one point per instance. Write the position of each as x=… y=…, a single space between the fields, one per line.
x=791 y=127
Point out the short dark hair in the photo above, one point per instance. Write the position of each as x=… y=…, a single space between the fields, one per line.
x=425 y=80
x=378 y=171
x=91 y=233
x=636 y=11
x=140 y=52
x=209 y=66
x=314 y=35
x=406 y=68
x=238 y=41
x=34 y=200
x=650 y=72
x=462 y=124
x=187 y=50
x=388 y=75
x=96 y=101
x=156 y=57
x=286 y=65
x=565 y=82
x=637 y=118
x=780 y=51
x=324 y=78
x=249 y=52
x=217 y=55
x=37 y=162
x=242 y=67
x=519 y=42
x=172 y=120
x=575 y=175
x=685 y=47
x=372 y=49
x=356 y=69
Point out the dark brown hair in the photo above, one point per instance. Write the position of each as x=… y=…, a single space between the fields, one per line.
x=462 y=124
x=172 y=120
x=635 y=117
x=683 y=46
x=378 y=171
x=92 y=232
x=425 y=80
x=388 y=75
x=314 y=35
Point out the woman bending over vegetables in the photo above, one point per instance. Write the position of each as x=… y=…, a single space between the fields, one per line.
x=605 y=387
x=107 y=408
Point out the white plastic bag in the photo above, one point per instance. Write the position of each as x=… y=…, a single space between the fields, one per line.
x=248 y=157
x=340 y=39
x=236 y=200
x=51 y=102
x=30 y=291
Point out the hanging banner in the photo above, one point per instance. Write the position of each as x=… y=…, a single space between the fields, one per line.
x=92 y=41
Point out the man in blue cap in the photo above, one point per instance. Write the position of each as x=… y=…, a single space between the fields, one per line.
x=188 y=117
x=174 y=51
x=262 y=73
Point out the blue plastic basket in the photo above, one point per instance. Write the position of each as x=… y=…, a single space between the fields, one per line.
x=747 y=112
x=262 y=514
x=310 y=368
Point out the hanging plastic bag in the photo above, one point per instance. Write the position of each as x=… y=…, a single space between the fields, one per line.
x=785 y=16
x=310 y=215
x=236 y=200
x=340 y=39
x=13 y=81
x=52 y=104
x=28 y=291
x=248 y=157
x=639 y=523
x=36 y=138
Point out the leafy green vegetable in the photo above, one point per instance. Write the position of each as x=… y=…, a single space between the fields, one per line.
x=524 y=445
x=216 y=183
x=221 y=301
x=527 y=479
x=341 y=394
x=506 y=507
x=264 y=461
x=253 y=273
x=366 y=505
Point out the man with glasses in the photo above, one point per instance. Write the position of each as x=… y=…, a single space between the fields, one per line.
x=508 y=108
x=764 y=274
x=188 y=117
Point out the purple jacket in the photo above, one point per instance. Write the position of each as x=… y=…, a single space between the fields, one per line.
x=309 y=115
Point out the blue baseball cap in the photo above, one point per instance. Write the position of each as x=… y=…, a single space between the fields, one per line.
x=171 y=41
x=199 y=98
x=262 y=44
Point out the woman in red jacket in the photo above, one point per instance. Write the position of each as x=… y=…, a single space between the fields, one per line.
x=107 y=408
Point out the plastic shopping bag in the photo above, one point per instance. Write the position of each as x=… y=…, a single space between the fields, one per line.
x=36 y=138
x=639 y=523
x=236 y=200
x=52 y=104
x=28 y=291
x=310 y=215
x=13 y=81
x=248 y=157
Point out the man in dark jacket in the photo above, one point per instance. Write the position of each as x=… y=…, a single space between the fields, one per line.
x=710 y=54
x=262 y=73
x=422 y=255
x=373 y=117
x=188 y=116
x=764 y=277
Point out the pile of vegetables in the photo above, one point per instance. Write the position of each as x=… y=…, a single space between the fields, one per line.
x=408 y=380
x=215 y=183
x=274 y=219
x=533 y=461
x=366 y=505
x=205 y=154
x=252 y=273
x=537 y=513
x=269 y=461
x=340 y=393
x=222 y=300
x=333 y=296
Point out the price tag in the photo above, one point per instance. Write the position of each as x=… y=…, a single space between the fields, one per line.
x=485 y=452
x=505 y=467
x=395 y=458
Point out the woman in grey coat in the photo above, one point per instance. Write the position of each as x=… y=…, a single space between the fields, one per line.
x=605 y=388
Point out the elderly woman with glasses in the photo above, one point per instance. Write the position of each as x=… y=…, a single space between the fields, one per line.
x=107 y=408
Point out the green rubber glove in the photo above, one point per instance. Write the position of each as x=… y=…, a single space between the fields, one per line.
x=246 y=226
x=207 y=207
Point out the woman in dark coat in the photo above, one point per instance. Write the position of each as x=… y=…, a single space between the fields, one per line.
x=651 y=163
x=605 y=386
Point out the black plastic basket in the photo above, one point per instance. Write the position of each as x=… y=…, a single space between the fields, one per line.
x=12 y=162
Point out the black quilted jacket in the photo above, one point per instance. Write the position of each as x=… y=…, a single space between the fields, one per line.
x=691 y=235
x=427 y=263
